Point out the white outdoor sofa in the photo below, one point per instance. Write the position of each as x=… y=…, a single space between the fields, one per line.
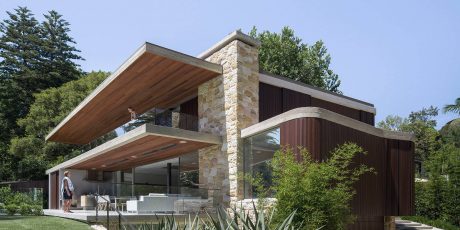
x=156 y=202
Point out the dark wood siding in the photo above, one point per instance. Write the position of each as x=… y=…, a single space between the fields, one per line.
x=390 y=192
x=190 y=107
x=406 y=178
x=54 y=191
x=367 y=117
x=340 y=109
x=301 y=133
x=400 y=178
x=274 y=100
x=370 y=187
x=270 y=101
x=293 y=99
x=392 y=179
x=189 y=115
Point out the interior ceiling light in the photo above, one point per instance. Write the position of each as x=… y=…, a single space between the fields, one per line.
x=103 y=166
x=182 y=142
x=134 y=156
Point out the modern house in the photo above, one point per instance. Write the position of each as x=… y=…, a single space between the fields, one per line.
x=216 y=117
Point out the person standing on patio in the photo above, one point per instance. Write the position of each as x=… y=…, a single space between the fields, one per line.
x=67 y=191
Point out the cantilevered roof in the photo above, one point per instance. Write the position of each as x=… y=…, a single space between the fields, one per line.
x=325 y=114
x=146 y=144
x=284 y=82
x=152 y=77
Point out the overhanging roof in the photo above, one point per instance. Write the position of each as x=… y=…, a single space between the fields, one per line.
x=152 y=77
x=146 y=144
x=325 y=114
x=319 y=93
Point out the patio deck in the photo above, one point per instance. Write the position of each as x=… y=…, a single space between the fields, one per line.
x=90 y=216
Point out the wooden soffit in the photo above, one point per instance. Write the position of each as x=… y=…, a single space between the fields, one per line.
x=153 y=77
x=143 y=145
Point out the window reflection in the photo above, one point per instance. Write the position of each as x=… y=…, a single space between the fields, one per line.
x=258 y=152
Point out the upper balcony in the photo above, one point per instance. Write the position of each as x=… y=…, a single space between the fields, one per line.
x=153 y=77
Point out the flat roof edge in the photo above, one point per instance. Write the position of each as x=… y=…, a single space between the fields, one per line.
x=315 y=112
x=181 y=57
x=316 y=92
x=235 y=35
x=135 y=134
x=128 y=137
x=99 y=88
x=146 y=47
x=164 y=131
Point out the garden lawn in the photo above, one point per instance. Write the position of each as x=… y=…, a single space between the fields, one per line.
x=40 y=222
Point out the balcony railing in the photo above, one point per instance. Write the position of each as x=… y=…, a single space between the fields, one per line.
x=165 y=118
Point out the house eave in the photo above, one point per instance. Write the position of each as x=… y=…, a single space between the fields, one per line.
x=135 y=135
x=315 y=112
x=153 y=65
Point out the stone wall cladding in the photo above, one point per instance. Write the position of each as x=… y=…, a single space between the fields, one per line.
x=227 y=104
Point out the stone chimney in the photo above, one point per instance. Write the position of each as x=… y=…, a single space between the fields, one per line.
x=227 y=104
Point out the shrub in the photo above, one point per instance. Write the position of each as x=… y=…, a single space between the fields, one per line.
x=5 y=194
x=319 y=192
x=17 y=202
x=438 y=198
x=25 y=209
x=36 y=210
x=11 y=209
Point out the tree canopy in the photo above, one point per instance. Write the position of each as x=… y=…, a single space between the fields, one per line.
x=437 y=198
x=33 y=56
x=286 y=55
x=422 y=124
x=453 y=108
x=32 y=153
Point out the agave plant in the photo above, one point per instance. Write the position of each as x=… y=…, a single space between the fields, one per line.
x=233 y=219
x=245 y=220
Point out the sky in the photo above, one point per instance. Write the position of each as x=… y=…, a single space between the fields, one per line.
x=399 y=55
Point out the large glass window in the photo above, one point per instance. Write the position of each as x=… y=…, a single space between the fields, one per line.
x=258 y=153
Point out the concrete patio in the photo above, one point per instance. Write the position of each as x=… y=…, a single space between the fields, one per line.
x=89 y=216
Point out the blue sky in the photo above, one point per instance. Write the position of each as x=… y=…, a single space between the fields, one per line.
x=399 y=55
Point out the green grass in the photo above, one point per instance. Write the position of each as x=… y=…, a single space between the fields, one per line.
x=435 y=223
x=39 y=223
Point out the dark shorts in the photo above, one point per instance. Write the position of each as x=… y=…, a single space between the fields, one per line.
x=66 y=196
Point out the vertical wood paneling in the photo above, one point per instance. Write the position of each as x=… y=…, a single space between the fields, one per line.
x=302 y=132
x=270 y=101
x=392 y=178
x=367 y=117
x=293 y=99
x=340 y=109
x=274 y=100
x=370 y=197
x=406 y=178
x=390 y=192
x=54 y=191
x=189 y=115
x=190 y=107
x=400 y=178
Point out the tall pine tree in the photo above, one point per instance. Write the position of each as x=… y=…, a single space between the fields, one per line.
x=58 y=52
x=33 y=56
